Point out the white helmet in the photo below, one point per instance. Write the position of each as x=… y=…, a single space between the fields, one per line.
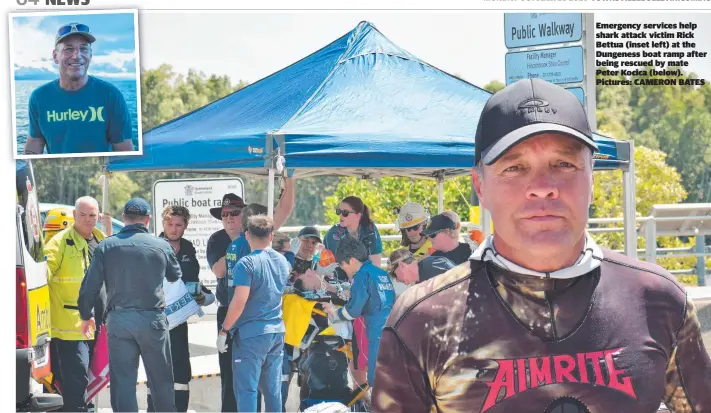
x=411 y=214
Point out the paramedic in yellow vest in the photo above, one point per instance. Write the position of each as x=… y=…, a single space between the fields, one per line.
x=69 y=254
x=411 y=220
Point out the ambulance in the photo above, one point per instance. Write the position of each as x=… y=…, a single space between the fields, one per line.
x=32 y=300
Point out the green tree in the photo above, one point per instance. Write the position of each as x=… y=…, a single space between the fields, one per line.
x=384 y=195
x=494 y=86
x=674 y=119
x=656 y=183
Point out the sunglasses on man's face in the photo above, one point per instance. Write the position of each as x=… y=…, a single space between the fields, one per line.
x=343 y=212
x=434 y=234
x=233 y=213
x=407 y=260
x=76 y=28
x=413 y=229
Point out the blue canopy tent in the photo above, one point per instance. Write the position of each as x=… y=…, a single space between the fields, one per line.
x=360 y=106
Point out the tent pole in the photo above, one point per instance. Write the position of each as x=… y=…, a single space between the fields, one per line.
x=270 y=194
x=104 y=191
x=630 y=206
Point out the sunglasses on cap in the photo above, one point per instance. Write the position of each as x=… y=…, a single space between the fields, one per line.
x=343 y=212
x=407 y=260
x=74 y=27
x=234 y=213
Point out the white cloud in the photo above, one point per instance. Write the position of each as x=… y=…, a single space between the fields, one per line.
x=118 y=60
x=115 y=75
x=32 y=47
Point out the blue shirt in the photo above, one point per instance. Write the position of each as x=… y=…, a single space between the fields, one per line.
x=368 y=236
x=216 y=248
x=86 y=120
x=372 y=296
x=265 y=272
x=238 y=249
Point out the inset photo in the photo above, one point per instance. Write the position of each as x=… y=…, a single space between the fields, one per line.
x=75 y=84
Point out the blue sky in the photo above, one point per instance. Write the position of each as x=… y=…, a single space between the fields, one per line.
x=114 y=49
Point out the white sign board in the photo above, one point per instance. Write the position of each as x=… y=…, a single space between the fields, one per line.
x=198 y=196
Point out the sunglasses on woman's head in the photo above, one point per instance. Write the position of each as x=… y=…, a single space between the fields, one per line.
x=234 y=213
x=407 y=260
x=343 y=212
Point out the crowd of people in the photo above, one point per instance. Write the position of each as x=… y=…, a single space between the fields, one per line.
x=468 y=333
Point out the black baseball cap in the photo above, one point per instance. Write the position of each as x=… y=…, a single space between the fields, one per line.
x=137 y=207
x=310 y=232
x=439 y=223
x=227 y=200
x=526 y=108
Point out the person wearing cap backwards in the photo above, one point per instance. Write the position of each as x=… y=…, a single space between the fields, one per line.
x=404 y=267
x=132 y=265
x=542 y=319
x=77 y=113
x=443 y=230
x=411 y=220
x=175 y=221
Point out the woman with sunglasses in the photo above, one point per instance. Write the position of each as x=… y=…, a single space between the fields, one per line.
x=411 y=220
x=355 y=222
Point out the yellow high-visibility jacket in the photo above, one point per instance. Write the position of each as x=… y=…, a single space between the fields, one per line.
x=67 y=260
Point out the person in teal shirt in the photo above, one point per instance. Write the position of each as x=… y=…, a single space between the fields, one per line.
x=77 y=113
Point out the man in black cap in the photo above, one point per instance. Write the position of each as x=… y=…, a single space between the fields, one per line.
x=309 y=240
x=133 y=264
x=77 y=113
x=229 y=213
x=443 y=230
x=542 y=319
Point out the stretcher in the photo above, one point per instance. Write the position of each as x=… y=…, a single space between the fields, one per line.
x=319 y=352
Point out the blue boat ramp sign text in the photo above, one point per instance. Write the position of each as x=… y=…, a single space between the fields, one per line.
x=536 y=29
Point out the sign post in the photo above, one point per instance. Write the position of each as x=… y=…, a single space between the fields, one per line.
x=198 y=196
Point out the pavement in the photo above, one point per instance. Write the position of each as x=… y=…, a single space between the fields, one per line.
x=205 y=386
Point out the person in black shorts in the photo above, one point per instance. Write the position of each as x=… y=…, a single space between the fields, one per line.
x=541 y=319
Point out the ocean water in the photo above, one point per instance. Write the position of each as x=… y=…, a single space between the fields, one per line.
x=24 y=88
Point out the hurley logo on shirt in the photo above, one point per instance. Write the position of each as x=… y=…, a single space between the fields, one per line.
x=93 y=114
x=520 y=375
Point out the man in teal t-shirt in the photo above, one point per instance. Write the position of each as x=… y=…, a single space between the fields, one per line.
x=77 y=113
